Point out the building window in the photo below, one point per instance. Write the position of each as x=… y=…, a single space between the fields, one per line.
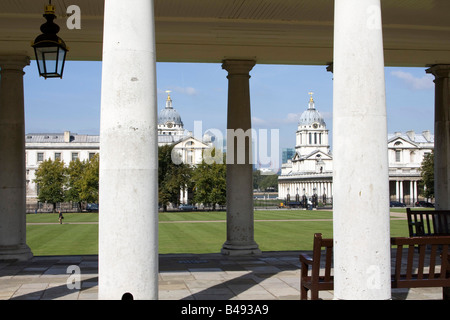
x=40 y=156
x=397 y=155
x=412 y=157
x=74 y=156
x=57 y=155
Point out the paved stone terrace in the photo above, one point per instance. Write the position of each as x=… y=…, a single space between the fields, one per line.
x=271 y=276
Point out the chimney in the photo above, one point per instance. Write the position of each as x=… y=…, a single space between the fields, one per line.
x=426 y=134
x=411 y=135
x=66 y=136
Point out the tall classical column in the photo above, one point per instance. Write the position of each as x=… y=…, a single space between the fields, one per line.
x=128 y=225
x=441 y=135
x=12 y=160
x=360 y=158
x=240 y=224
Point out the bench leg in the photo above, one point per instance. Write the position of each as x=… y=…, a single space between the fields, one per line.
x=303 y=293
x=314 y=294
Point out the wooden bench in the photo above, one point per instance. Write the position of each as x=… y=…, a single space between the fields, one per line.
x=315 y=281
x=428 y=222
x=424 y=273
x=431 y=270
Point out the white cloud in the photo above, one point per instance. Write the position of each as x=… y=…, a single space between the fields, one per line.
x=190 y=91
x=292 y=118
x=423 y=83
x=258 y=122
x=186 y=90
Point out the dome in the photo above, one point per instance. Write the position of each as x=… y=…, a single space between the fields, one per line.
x=311 y=116
x=169 y=114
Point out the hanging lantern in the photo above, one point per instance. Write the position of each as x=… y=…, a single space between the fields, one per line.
x=50 y=50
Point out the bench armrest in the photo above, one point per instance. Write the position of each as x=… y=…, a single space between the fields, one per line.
x=306 y=259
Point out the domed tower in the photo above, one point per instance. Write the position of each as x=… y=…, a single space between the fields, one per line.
x=169 y=122
x=312 y=133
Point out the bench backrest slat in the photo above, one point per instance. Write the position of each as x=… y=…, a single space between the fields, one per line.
x=445 y=261
x=432 y=262
x=320 y=243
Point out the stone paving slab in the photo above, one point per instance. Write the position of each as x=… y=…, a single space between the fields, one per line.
x=270 y=276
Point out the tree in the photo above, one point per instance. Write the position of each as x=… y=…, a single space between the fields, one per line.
x=90 y=181
x=427 y=174
x=82 y=181
x=75 y=176
x=51 y=180
x=210 y=183
x=172 y=178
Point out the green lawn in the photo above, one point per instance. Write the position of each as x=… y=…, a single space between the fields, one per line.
x=186 y=237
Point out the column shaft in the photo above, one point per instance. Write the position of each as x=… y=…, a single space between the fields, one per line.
x=360 y=159
x=240 y=224
x=128 y=226
x=12 y=160
x=441 y=135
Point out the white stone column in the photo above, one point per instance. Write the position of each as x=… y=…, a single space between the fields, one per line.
x=442 y=135
x=415 y=192
x=400 y=197
x=240 y=224
x=12 y=160
x=411 y=192
x=128 y=226
x=360 y=161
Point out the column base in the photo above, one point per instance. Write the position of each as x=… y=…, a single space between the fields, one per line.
x=18 y=253
x=240 y=250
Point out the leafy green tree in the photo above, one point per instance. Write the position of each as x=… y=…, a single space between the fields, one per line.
x=210 y=184
x=90 y=181
x=269 y=181
x=172 y=178
x=75 y=175
x=51 y=180
x=427 y=174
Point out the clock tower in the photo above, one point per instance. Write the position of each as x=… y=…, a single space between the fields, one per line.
x=169 y=123
x=312 y=133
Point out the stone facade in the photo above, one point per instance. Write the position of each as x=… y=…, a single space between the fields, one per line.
x=310 y=171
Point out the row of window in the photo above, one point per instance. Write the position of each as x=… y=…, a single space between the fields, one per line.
x=312 y=138
x=58 y=156
x=412 y=156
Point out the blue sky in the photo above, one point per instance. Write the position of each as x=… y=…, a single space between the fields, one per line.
x=279 y=94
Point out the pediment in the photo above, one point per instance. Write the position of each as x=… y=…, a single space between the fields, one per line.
x=400 y=142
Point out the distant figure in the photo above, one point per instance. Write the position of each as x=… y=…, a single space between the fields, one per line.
x=60 y=217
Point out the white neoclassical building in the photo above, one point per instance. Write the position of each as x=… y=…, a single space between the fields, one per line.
x=171 y=131
x=69 y=146
x=310 y=170
x=406 y=152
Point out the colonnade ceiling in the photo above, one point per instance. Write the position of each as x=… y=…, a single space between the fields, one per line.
x=416 y=32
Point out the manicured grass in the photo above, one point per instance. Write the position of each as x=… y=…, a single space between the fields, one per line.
x=258 y=215
x=68 y=217
x=185 y=237
x=65 y=239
